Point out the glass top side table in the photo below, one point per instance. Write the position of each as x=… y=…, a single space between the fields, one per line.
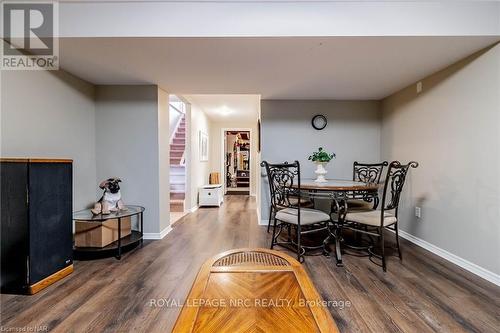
x=117 y=247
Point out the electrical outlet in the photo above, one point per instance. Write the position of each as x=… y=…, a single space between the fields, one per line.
x=418 y=212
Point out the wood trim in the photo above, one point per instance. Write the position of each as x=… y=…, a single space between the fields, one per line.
x=189 y=314
x=34 y=288
x=14 y=160
x=35 y=160
x=322 y=316
x=49 y=160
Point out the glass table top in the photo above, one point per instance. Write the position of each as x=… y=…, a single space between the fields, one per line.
x=87 y=215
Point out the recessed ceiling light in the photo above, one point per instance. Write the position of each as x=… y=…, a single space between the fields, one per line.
x=224 y=110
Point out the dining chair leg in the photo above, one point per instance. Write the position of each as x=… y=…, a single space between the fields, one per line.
x=274 y=232
x=338 y=239
x=270 y=218
x=382 y=249
x=397 y=242
x=299 y=249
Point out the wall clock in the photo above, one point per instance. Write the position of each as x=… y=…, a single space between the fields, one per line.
x=319 y=122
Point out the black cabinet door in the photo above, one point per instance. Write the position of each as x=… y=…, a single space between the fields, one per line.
x=50 y=218
x=14 y=225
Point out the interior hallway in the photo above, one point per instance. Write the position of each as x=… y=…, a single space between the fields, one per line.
x=423 y=294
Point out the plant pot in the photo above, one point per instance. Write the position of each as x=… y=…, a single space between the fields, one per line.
x=320 y=172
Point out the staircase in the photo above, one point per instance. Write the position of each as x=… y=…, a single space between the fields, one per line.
x=178 y=168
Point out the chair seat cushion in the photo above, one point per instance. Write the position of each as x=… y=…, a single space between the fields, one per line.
x=371 y=218
x=307 y=216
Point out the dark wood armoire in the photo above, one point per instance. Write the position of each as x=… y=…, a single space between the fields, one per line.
x=36 y=223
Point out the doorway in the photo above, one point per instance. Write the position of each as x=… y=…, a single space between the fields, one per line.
x=237 y=161
x=178 y=137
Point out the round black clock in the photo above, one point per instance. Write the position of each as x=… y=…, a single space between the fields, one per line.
x=319 y=122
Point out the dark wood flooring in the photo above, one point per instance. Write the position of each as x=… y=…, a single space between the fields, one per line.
x=422 y=294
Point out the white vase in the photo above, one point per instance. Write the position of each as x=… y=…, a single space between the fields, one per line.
x=320 y=172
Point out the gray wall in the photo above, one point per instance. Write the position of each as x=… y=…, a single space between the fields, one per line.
x=453 y=129
x=51 y=114
x=353 y=133
x=127 y=136
x=106 y=130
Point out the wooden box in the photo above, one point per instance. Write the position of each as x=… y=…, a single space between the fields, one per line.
x=100 y=234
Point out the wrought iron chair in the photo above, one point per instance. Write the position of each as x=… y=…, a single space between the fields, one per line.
x=286 y=211
x=374 y=222
x=294 y=201
x=366 y=173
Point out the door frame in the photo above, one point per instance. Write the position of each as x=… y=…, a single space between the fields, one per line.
x=223 y=155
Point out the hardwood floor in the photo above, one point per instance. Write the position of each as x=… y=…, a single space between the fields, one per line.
x=422 y=294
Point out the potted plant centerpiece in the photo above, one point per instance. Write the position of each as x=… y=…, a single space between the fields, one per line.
x=321 y=158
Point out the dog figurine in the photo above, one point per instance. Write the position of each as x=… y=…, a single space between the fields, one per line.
x=111 y=200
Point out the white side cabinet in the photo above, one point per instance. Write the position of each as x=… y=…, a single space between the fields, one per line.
x=211 y=195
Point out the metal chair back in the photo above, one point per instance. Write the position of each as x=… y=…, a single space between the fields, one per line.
x=368 y=172
x=284 y=183
x=393 y=186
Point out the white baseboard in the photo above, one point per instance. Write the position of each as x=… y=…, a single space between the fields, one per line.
x=157 y=235
x=465 y=264
x=263 y=222
x=193 y=209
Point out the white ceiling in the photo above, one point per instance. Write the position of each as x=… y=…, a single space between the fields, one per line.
x=231 y=18
x=274 y=67
x=227 y=108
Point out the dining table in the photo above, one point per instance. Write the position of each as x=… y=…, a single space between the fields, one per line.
x=339 y=191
